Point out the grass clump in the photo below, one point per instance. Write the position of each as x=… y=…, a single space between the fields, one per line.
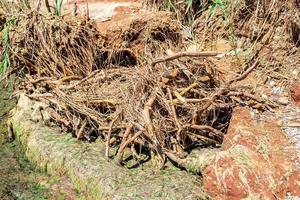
x=58 y=7
x=5 y=60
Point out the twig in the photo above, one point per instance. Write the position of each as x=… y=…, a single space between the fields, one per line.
x=136 y=135
x=109 y=136
x=203 y=138
x=171 y=156
x=185 y=54
x=64 y=79
x=227 y=85
x=99 y=101
x=245 y=74
x=126 y=143
x=126 y=134
x=245 y=94
x=175 y=116
x=80 y=132
x=87 y=12
x=38 y=6
x=54 y=115
x=48 y=6
x=179 y=97
x=185 y=90
x=208 y=128
x=41 y=79
x=146 y=113
x=112 y=141
x=83 y=80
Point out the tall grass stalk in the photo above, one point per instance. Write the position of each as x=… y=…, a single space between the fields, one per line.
x=5 y=60
x=170 y=5
x=58 y=7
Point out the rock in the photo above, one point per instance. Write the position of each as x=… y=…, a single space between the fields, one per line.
x=296 y=73
x=295 y=93
x=257 y=161
x=232 y=175
x=283 y=100
x=294 y=184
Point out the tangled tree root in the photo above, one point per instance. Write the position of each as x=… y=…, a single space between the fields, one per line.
x=167 y=111
x=99 y=88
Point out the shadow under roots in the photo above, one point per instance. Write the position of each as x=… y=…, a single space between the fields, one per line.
x=122 y=58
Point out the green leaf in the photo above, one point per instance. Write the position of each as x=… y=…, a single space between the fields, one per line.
x=217 y=4
x=58 y=7
x=5 y=60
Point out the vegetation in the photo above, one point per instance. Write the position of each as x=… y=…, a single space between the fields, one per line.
x=188 y=10
x=58 y=7
x=5 y=57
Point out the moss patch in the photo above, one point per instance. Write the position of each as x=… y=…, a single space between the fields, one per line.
x=18 y=178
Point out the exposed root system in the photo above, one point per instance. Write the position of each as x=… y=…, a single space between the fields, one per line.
x=118 y=88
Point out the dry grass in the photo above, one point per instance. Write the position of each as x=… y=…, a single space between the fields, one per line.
x=267 y=29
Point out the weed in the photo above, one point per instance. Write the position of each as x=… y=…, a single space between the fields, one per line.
x=5 y=61
x=170 y=5
x=215 y=5
x=58 y=7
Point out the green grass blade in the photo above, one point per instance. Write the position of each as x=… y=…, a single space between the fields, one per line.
x=5 y=59
x=58 y=7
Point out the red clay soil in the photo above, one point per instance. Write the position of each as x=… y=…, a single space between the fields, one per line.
x=118 y=15
x=295 y=93
x=122 y=13
x=258 y=161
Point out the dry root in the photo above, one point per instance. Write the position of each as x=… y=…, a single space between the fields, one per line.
x=98 y=89
x=148 y=108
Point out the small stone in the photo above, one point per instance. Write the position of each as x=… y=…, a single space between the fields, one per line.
x=272 y=83
x=279 y=123
x=169 y=52
x=295 y=72
x=264 y=96
x=283 y=100
x=295 y=93
x=165 y=80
